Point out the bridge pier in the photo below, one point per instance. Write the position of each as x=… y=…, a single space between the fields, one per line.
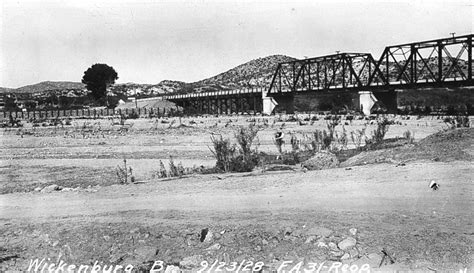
x=281 y=103
x=367 y=100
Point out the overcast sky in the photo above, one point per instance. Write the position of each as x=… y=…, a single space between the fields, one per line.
x=150 y=41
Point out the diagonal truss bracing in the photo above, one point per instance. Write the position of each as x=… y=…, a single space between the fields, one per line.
x=438 y=63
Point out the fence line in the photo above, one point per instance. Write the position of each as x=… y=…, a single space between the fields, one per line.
x=89 y=113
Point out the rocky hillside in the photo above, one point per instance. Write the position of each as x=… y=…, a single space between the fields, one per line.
x=164 y=87
x=256 y=73
x=48 y=86
x=253 y=74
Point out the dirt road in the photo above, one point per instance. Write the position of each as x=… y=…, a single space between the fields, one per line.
x=271 y=217
x=382 y=201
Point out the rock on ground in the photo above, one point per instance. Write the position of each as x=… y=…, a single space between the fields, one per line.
x=372 y=259
x=347 y=243
x=320 y=161
x=51 y=188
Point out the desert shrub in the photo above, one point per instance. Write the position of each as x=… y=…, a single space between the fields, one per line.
x=248 y=159
x=327 y=140
x=125 y=174
x=223 y=151
x=295 y=143
x=245 y=137
x=462 y=121
x=162 y=170
x=320 y=140
x=173 y=169
x=331 y=124
x=357 y=137
x=379 y=133
x=241 y=164
x=343 y=139
x=226 y=154
x=295 y=147
x=314 y=143
x=408 y=135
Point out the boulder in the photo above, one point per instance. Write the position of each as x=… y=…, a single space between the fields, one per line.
x=215 y=246
x=372 y=259
x=321 y=160
x=347 y=243
x=346 y=256
x=333 y=247
x=51 y=188
x=322 y=244
x=353 y=231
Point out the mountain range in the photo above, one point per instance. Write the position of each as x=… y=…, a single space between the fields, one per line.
x=253 y=74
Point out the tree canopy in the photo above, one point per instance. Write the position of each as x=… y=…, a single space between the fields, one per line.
x=97 y=78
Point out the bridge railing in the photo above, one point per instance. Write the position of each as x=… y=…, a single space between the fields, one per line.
x=214 y=93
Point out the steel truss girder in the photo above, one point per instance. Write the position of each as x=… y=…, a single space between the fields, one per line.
x=422 y=69
x=400 y=66
x=338 y=71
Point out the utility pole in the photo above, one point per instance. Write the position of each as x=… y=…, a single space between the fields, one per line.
x=136 y=103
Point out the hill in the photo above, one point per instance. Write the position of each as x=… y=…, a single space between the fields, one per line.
x=255 y=73
x=48 y=86
x=164 y=87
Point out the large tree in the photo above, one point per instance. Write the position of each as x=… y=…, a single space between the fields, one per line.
x=97 y=78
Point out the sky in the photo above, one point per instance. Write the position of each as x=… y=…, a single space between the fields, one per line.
x=149 y=41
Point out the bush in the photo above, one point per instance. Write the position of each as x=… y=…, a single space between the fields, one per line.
x=343 y=140
x=162 y=171
x=320 y=140
x=245 y=137
x=295 y=143
x=408 y=135
x=358 y=137
x=223 y=152
x=125 y=175
x=379 y=133
x=173 y=172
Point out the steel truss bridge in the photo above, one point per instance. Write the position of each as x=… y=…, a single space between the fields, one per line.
x=443 y=62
